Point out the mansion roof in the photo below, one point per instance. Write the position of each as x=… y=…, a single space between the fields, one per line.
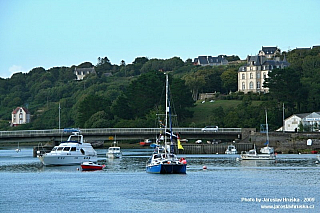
x=262 y=61
x=210 y=60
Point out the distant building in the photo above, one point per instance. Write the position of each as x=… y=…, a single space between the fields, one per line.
x=252 y=75
x=210 y=61
x=82 y=72
x=19 y=116
x=310 y=121
x=269 y=52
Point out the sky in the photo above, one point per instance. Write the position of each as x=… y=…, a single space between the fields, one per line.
x=56 y=33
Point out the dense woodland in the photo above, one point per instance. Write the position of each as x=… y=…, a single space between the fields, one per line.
x=135 y=93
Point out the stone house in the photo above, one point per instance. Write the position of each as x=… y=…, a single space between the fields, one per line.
x=252 y=75
x=269 y=52
x=210 y=60
x=20 y=115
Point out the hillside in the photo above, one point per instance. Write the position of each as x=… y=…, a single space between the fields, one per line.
x=203 y=112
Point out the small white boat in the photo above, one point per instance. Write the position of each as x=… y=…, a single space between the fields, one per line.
x=114 y=151
x=18 y=149
x=231 y=150
x=267 y=150
x=253 y=155
x=74 y=151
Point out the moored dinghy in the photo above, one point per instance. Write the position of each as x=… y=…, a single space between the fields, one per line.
x=91 y=166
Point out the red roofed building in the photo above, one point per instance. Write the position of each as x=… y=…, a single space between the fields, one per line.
x=20 y=115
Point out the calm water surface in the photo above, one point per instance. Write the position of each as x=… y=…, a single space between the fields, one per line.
x=291 y=184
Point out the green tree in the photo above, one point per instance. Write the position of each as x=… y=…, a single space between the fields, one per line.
x=230 y=79
x=89 y=106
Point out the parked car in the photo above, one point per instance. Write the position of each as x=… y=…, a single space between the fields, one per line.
x=198 y=141
x=210 y=129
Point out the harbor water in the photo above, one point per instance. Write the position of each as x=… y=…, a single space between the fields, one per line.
x=290 y=184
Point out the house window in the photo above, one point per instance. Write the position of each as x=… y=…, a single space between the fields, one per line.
x=258 y=75
x=251 y=75
x=251 y=85
x=243 y=86
x=264 y=75
x=243 y=76
x=258 y=85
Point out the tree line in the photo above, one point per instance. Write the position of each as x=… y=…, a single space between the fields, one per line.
x=133 y=94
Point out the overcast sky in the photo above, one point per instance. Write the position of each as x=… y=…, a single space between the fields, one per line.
x=54 y=33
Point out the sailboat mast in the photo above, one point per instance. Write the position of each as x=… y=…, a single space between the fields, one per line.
x=167 y=110
x=267 y=128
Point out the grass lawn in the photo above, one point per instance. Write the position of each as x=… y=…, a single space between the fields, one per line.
x=202 y=111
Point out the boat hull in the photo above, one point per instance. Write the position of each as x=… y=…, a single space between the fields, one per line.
x=65 y=160
x=91 y=167
x=230 y=152
x=167 y=169
x=257 y=157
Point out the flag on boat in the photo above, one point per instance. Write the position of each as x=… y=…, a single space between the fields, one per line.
x=266 y=143
x=179 y=143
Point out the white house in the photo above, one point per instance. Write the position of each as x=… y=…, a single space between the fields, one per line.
x=82 y=72
x=20 y=115
x=309 y=121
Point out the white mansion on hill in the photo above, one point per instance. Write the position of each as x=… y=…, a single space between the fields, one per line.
x=252 y=75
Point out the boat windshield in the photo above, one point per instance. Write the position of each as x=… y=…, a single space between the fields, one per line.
x=66 y=149
x=54 y=148
x=59 y=148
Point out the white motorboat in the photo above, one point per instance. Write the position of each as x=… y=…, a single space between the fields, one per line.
x=253 y=155
x=231 y=150
x=71 y=152
x=114 y=151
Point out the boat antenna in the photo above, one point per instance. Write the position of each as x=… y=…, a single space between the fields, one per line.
x=267 y=128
